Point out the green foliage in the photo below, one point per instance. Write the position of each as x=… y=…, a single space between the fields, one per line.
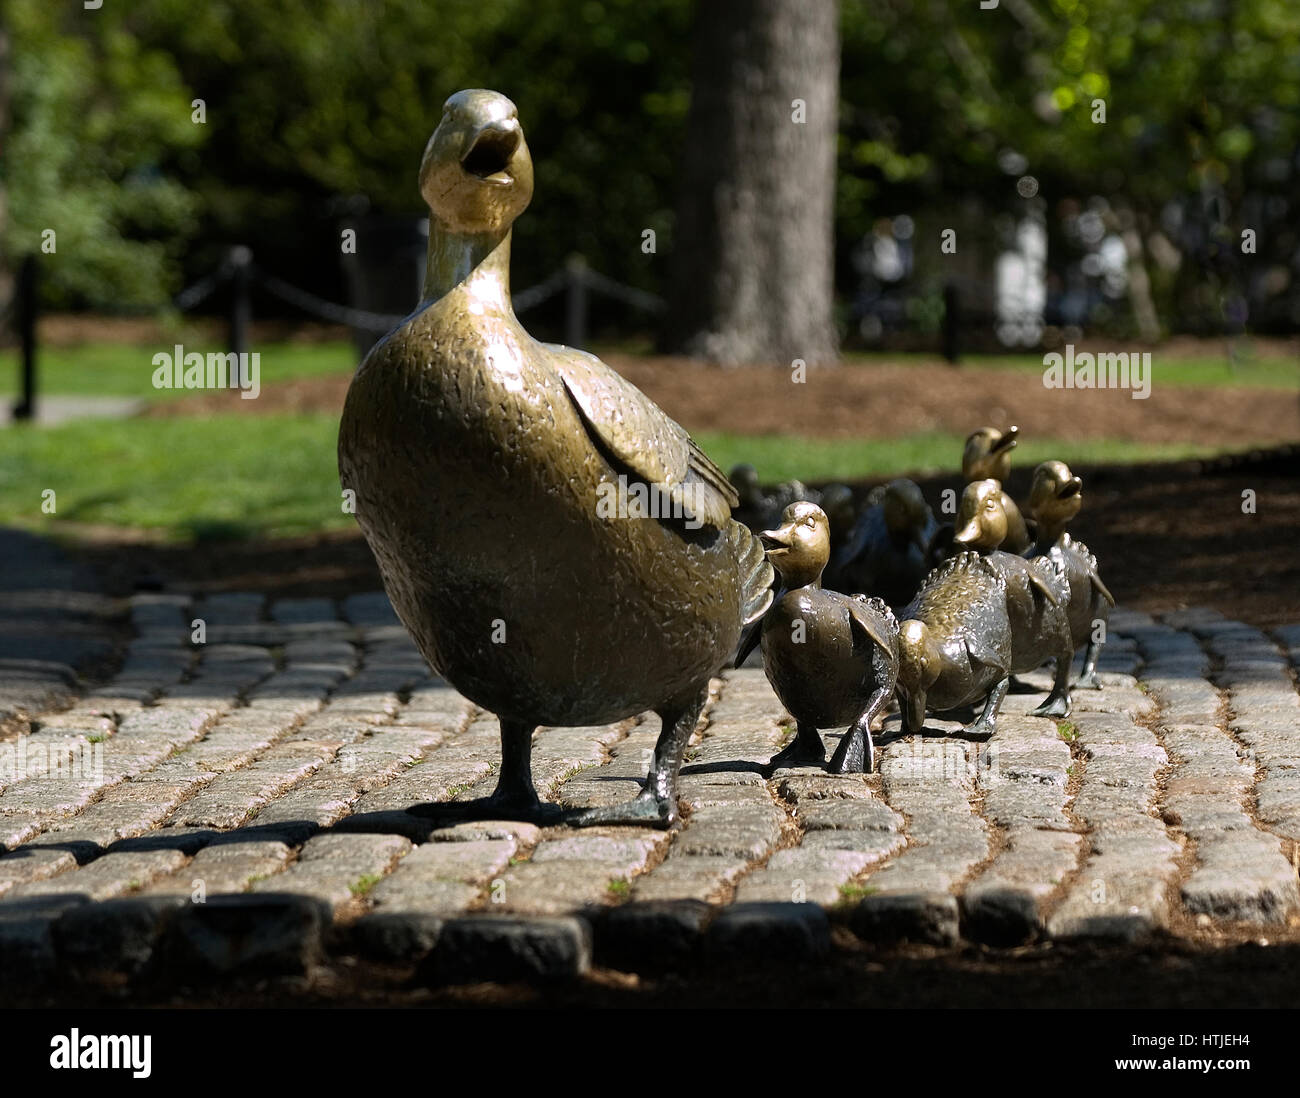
x=96 y=116
x=316 y=111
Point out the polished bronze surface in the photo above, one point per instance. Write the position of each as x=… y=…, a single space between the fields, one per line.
x=1055 y=498
x=987 y=456
x=887 y=553
x=1037 y=593
x=954 y=643
x=831 y=658
x=494 y=480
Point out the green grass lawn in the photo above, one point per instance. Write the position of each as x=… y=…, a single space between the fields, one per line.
x=115 y=369
x=236 y=476
x=118 y=369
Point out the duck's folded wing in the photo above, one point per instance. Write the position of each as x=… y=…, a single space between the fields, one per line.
x=635 y=432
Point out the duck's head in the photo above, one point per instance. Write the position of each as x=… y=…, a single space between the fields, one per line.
x=981 y=518
x=918 y=668
x=477 y=176
x=906 y=513
x=744 y=478
x=800 y=547
x=987 y=455
x=1056 y=495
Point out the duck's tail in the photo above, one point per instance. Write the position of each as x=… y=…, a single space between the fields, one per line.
x=756 y=575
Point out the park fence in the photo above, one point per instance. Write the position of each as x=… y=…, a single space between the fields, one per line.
x=240 y=274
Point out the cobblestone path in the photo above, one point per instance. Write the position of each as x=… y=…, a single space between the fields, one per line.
x=242 y=805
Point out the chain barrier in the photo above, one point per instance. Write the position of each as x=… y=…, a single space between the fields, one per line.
x=334 y=313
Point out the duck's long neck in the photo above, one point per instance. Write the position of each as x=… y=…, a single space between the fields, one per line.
x=1049 y=533
x=479 y=260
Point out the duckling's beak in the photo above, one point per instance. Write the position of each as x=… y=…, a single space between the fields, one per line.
x=776 y=541
x=969 y=533
x=1071 y=487
x=490 y=151
x=1006 y=442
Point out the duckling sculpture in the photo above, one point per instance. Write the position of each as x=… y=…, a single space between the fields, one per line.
x=1037 y=593
x=887 y=552
x=486 y=468
x=831 y=658
x=987 y=456
x=757 y=509
x=1054 y=499
x=954 y=644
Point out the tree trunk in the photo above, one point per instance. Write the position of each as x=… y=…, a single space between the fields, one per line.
x=753 y=261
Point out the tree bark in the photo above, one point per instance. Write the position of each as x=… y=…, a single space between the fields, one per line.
x=753 y=259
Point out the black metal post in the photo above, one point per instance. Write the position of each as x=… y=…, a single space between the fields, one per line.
x=241 y=306
x=26 y=308
x=575 y=310
x=951 y=323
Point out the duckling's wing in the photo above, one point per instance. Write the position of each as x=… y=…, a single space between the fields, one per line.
x=631 y=428
x=876 y=620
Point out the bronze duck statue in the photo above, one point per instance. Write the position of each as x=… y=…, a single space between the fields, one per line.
x=954 y=644
x=758 y=509
x=1054 y=499
x=987 y=456
x=887 y=553
x=1037 y=594
x=485 y=465
x=831 y=658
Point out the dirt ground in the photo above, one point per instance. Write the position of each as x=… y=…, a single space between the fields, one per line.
x=885 y=401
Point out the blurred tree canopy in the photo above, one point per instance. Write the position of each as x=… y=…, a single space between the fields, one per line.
x=319 y=111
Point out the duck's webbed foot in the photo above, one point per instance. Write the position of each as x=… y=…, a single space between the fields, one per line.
x=644 y=810
x=656 y=804
x=806 y=749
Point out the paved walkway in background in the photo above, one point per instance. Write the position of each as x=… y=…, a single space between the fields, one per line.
x=241 y=805
x=53 y=410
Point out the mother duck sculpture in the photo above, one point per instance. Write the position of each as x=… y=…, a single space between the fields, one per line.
x=487 y=469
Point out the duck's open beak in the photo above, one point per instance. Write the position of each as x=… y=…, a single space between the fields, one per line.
x=490 y=151
x=1006 y=442
x=1071 y=487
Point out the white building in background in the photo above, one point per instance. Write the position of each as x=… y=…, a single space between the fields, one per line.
x=1021 y=285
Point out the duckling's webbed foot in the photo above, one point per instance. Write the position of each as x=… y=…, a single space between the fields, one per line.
x=1056 y=704
x=1088 y=678
x=987 y=723
x=856 y=753
x=806 y=749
